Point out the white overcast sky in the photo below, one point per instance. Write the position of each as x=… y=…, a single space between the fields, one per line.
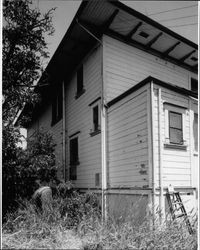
x=180 y=16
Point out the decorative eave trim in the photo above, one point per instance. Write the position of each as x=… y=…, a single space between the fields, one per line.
x=152 y=22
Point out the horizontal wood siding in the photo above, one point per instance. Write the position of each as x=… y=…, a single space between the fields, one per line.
x=176 y=163
x=125 y=66
x=128 y=141
x=79 y=118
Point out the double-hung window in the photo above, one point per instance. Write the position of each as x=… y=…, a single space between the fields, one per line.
x=175 y=126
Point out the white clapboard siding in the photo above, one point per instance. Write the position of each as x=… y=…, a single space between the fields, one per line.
x=175 y=162
x=128 y=141
x=79 y=118
x=125 y=66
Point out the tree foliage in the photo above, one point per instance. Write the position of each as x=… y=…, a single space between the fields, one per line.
x=24 y=49
x=24 y=46
x=20 y=173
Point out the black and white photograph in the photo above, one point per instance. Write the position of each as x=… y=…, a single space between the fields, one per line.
x=100 y=125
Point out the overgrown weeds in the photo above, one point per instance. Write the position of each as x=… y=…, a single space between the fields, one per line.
x=75 y=223
x=149 y=234
x=52 y=229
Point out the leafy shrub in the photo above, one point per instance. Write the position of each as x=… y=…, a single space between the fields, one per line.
x=37 y=162
x=9 y=167
x=78 y=207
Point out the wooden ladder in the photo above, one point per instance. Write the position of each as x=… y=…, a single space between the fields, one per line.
x=177 y=208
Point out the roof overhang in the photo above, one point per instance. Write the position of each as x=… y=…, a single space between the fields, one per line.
x=113 y=18
x=124 y=23
x=158 y=82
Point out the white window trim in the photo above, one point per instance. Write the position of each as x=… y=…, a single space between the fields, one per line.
x=182 y=110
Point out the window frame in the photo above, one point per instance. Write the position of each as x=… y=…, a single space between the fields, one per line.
x=170 y=107
x=192 y=89
x=73 y=164
x=95 y=130
x=80 y=79
x=170 y=127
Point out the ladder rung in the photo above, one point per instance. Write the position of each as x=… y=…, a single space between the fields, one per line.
x=181 y=215
x=176 y=204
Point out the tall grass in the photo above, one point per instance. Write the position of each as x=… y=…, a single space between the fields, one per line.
x=75 y=223
x=127 y=235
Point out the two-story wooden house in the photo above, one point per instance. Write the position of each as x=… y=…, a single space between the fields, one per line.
x=121 y=102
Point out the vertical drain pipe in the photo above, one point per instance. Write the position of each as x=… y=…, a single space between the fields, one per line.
x=103 y=145
x=64 y=131
x=153 y=149
x=103 y=132
x=160 y=155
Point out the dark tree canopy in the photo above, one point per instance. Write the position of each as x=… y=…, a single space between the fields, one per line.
x=24 y=47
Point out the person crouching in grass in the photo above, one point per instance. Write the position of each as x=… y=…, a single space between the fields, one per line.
x=42 y=197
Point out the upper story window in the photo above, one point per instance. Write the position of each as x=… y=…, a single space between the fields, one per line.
x=80 y=86
x=175 y=128
x=194 y=85
x=95 y=119
x=57 y=108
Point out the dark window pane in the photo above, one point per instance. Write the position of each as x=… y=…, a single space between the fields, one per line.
x=74 y=151
x=97 y=179
x=176 y=136
x=73 y=173
x=80 y=79
x=175 y=128
x=96 y=117
x=74 y=161
x=175 y=120
x=195 y=132
x=194 y=85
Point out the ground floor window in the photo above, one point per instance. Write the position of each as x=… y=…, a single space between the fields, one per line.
x=74 y=158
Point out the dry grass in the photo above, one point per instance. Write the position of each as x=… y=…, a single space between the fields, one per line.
x=57 y=239
x=28 y=230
